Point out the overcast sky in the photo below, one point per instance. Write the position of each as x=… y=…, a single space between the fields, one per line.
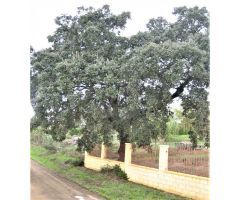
x=43 y=13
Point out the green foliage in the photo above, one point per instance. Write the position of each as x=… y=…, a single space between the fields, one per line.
x=196 y=108
x=88 y=141
x=106 y=170
x=114 y=170
x=69 y=149
x=39 y=136
x=207 y=140
x=93 y=77
x=119 y=172
x=177 y=138
x=75 y=162
x=74 y=131
x=193 y=139
x=172 y=127
x=50 y=147
x=178 y=124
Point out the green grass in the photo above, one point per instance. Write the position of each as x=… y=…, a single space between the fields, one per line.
x=172 y=139
x=177 y=138
x=106 y=186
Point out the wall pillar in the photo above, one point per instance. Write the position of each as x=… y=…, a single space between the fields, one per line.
x=128 y=153
x=85 y=158
x=103 y=151
x=163 y=157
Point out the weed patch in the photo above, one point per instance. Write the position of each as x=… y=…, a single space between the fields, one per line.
x=116 y=170
x=75 y=162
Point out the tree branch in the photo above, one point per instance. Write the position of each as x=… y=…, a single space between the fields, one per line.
x=180 y=89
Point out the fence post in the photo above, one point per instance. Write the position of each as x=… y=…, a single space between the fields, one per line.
x=103 y=151
x=128 y=153
x=163 y=157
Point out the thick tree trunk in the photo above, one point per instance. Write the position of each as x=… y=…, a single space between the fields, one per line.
x=121 y=151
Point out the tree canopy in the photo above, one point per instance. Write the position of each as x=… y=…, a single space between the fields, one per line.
x=94 y=77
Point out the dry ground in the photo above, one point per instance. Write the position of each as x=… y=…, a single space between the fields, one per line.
x=46 y=185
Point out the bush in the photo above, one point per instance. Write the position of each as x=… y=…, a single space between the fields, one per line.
x=116 y=170
x=106 y=170
x=75 y=162
x=50 y=147
x=74 y=131
x=39 y=137
x=120 y=173
x=69 y=150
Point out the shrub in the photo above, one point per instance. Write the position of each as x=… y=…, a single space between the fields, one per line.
x=75 y=162
x=39 y=137
x=74 y=131
x=116 y=170
x=50 y=147
x=106 y=170
x=120 y=173
x=69 y=150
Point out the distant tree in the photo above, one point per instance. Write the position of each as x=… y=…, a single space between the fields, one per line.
x=111 y=84
x=178 y=124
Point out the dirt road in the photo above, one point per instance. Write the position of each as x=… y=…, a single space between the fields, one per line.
x=47 y=185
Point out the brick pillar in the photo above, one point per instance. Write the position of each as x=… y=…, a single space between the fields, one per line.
x=128 y=153
x=103 y=151
x=163 y=157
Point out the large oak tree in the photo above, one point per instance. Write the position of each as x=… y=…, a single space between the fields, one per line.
x=93 y=76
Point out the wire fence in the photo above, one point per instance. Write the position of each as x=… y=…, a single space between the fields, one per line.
x=112 y=152
x=96 y=151
x=146 y=156
x=180 y=158
x=189 y=161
